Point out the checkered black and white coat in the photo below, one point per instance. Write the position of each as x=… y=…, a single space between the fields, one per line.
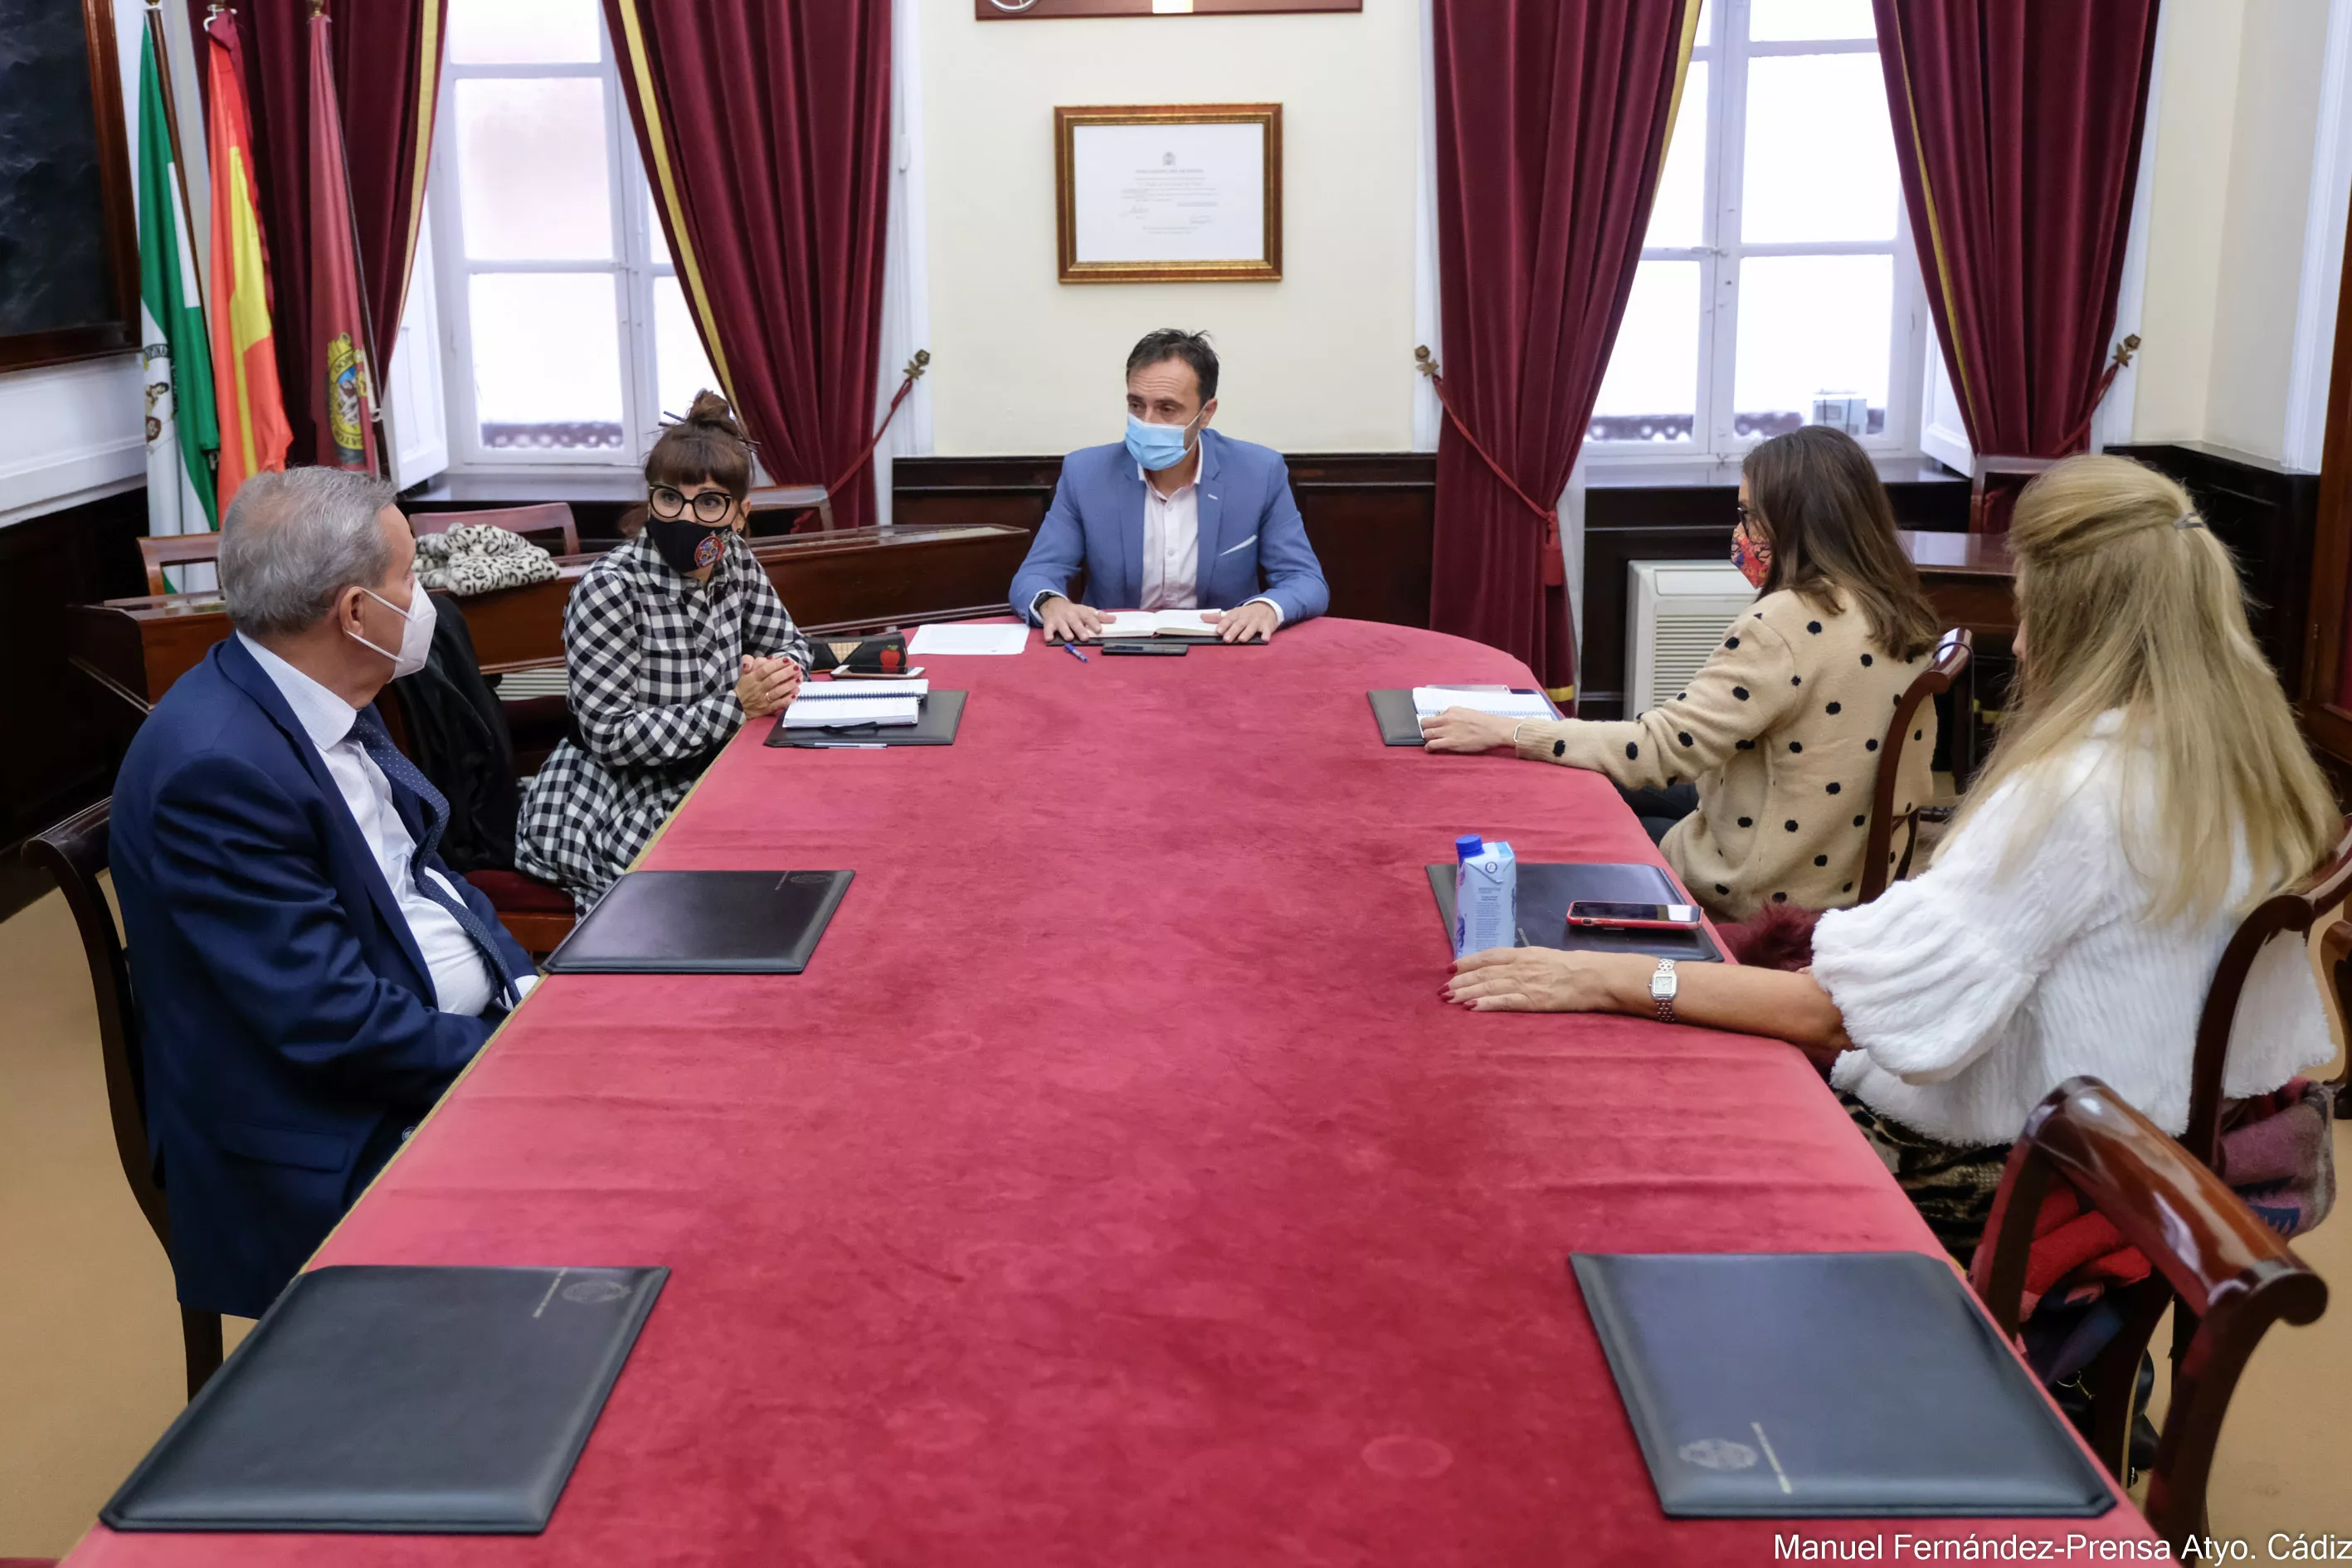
x=653 y=657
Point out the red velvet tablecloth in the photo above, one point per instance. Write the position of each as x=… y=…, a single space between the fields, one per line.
x=1114 y=1188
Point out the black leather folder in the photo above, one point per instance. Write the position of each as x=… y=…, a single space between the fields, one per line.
x=941 y=715
x=1841 y=1385
x=1400 y=725
x=398 y=1400
x=703 y=922
x=1546 y=890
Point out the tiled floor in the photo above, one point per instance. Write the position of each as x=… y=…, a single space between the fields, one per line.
x=89 y=1347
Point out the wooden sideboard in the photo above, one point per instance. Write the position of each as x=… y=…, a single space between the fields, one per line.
x=837 y=584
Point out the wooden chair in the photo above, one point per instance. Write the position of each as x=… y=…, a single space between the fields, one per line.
x=1878 y=866
x=549 y=524
x=1982 y=495
x=157 y=552
x=2336 y=956
x=2231 y=1272
x=793 y=500
x=75 y=852
x=2298 y=910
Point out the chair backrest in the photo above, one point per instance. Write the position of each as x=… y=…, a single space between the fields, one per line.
x=75 y=853
x=1951 y=657
x=157 y=552
x=2297 y=909
x=1990 y=466
x=2229 y=1269
x=552 y=520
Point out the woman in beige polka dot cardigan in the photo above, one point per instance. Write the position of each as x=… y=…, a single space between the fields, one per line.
x=1756 y=780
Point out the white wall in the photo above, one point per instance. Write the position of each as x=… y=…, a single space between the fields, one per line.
x=2238 y=118
x=1319 y=362
x=71 y=433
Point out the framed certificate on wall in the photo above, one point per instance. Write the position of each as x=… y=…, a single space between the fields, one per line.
x=1169 y=194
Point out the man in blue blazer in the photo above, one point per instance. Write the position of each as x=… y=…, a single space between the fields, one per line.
x=1176 y=517
x=309 y=974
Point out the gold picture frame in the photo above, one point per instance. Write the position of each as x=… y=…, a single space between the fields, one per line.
x=1084 y=219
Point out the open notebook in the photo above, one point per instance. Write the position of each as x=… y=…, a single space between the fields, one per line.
x=1126 y=626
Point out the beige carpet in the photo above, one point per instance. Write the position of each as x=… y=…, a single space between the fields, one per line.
x=89 y=1338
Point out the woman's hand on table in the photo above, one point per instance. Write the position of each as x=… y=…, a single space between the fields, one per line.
x=1467 y=730
x=1544 y=980
x=767 y=686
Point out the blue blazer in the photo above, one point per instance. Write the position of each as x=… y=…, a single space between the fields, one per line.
x=286 y=1016
x=1252 y=545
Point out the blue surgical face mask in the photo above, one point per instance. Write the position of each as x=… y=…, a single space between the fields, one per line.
x=1157 y=447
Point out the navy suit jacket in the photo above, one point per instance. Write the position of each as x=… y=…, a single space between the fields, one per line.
x=286 y=1016
x=1252 y=545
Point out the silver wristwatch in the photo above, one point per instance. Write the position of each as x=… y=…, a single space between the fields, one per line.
x=1663 y=985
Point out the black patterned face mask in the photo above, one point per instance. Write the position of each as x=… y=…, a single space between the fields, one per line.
x=689 y=546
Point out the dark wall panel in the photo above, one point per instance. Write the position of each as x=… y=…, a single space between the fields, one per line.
x=64 y=733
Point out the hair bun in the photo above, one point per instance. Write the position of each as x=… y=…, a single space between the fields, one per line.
x=710 y=410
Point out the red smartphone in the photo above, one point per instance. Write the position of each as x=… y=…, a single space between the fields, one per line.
x=1592 y=912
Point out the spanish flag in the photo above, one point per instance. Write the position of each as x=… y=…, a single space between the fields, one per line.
x=254 y=435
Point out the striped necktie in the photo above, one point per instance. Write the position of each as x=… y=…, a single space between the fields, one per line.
x=376 y=741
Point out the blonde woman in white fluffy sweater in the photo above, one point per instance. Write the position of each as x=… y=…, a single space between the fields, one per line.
x=2150 y=787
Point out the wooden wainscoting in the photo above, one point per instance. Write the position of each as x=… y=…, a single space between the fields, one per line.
x=64 y=733
x=2268 y=514
x=1368 y=515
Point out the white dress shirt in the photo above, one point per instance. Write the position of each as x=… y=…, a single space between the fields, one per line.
x=1171 y=548
x=461 y=978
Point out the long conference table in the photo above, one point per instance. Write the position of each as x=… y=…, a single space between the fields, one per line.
x=1114 y=1188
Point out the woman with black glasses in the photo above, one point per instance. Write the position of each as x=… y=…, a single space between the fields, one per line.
x=673 y=640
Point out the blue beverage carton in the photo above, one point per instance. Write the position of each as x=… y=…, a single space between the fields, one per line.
x=1485 y=895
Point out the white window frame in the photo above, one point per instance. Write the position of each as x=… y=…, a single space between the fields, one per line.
x=1727 y=49
x=638 y=261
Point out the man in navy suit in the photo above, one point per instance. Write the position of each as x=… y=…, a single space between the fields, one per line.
x=310 y=976
x=1176 y=517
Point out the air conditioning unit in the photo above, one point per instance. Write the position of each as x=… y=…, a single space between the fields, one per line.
x=1680 y=612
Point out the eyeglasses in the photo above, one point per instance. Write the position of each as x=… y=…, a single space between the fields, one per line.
x=1740 y=510
x=668 y=502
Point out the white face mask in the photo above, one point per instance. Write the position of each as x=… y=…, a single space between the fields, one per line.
x=416 y=637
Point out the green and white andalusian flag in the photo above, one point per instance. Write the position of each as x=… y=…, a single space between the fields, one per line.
x=182 y=432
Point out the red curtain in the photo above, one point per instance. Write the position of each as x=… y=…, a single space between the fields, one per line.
x=766 y=134
x=2017 y=129
x=1552 y=118
x=387 y=68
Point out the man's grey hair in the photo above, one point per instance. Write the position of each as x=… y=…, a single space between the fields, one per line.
x=293 y=541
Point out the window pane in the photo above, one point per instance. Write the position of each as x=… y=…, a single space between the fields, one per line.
x=1773 y=21
x=524 y=32
x=1821 y=152
x=1809 y=325
x=1676 y=217
x=531 y=170
x=680 y=367
x=547 y=359
x=661 y=255
x=1651 y=392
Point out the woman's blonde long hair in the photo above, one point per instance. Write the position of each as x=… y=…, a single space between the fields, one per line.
x=2129 y=603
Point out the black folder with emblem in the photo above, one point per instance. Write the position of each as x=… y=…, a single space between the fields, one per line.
x=437 y=1401
x=1838 y=1385
x=703 y=922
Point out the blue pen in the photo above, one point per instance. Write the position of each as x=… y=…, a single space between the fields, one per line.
x=1076 y=654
